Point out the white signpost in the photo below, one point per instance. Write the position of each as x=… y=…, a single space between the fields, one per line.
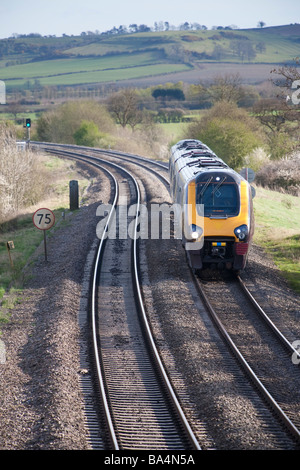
x=44 y=219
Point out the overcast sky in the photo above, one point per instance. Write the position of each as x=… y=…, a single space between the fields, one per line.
x=73 y=17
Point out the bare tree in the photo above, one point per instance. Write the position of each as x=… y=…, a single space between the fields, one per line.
x=20 y=177
x=280 y=115
x=270 y=113
x=15 y=108
x=287 y=74
x=288 y=98
x=227 y=88
x=123 y=105
x=243 y=49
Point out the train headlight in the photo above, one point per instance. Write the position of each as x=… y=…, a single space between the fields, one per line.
x=241 y=232
x=196 y=231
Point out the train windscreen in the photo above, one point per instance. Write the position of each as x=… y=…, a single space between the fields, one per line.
x=219 y=195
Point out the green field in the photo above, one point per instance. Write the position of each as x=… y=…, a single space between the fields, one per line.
x=51 y=68
x=89 y=70
x=279 y=46
x=100 y=59
x=102 y=76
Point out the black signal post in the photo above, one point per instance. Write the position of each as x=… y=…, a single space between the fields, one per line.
x=28 y=126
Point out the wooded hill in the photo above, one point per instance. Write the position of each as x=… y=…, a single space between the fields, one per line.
x=92 y=58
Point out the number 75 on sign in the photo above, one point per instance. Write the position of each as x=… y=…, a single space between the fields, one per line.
x=43 y=219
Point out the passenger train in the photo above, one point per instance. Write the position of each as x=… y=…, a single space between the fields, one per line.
x=215 y=207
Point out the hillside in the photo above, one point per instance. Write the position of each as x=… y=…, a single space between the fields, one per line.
x=94 y=59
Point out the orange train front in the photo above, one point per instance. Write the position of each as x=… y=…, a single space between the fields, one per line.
x=215 y=206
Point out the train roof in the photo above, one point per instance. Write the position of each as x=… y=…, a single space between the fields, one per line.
x=192 y=157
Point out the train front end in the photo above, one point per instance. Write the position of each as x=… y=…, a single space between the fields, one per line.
x=219 y=221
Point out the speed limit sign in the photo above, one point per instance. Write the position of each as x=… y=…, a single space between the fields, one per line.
x=43 y=219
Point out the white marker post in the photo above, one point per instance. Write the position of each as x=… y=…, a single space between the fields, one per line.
x=44 y=219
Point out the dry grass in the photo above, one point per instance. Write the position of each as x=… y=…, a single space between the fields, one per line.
x=19 y=227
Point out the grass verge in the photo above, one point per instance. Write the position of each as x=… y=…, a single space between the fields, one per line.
x=278 y=231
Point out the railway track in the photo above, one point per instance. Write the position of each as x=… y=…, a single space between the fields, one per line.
x=141 y=408
x=127 y=256
x=257 y=328
x=138 y=406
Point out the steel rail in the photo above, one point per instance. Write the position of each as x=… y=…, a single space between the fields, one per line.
x=135 y=159
x=115 y=153
x=267 y=319
x=99 y=374
x=147 y=328
x=155 y=352
x=253 y=377
x=108 y=416
x=154 y=349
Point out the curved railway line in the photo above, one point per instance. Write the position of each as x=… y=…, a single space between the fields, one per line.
x=148 y=414
x=140 y=406
x=142 y=419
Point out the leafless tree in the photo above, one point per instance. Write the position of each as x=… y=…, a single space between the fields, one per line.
x=287 y=74
x=15 y=108
x=123 y=105
x=227 y=88
x=282 y=112
x=281 y=115
x=20 y=177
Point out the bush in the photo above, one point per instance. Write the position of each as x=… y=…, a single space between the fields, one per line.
x=60 y=125
x=257 y=159
x=280 y=145
x=229 y=131
x=166 y=94
x=282 y=175
x=87 y=134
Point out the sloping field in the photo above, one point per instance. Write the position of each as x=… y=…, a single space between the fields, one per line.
x=126 y=43
x=271 y=45
x=83 y=70
x=191 y=56
x=48 y=68
x=206 y=72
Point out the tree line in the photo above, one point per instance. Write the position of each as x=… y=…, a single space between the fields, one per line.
x=132 y=28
